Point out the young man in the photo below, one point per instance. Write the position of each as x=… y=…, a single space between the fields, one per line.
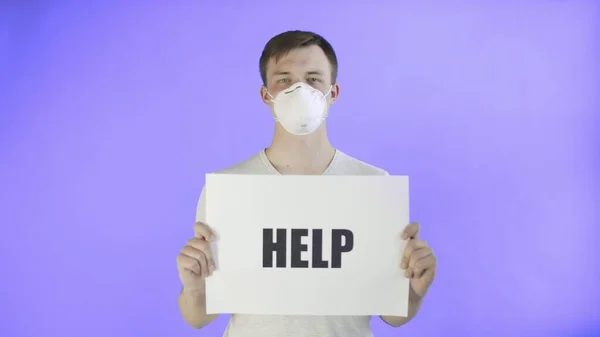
x=299 y=71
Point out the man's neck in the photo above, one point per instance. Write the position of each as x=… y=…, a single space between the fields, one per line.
x=310 y=154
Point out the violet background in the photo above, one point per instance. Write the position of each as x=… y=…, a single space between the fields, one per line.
x=111 y=114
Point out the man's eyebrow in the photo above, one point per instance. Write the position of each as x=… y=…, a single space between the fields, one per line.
x=312 y=72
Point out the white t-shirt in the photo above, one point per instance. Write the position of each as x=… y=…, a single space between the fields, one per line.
x=297 y=326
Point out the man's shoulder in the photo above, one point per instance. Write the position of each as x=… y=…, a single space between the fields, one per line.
x=343 y=164
x=346 y=164
x=252 y=165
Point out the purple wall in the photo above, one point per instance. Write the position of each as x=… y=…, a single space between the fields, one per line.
x=111 y=115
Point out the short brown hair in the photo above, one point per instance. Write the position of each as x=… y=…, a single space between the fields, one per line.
x=280 y=45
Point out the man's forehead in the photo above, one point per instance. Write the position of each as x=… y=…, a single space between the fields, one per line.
x=302 y=58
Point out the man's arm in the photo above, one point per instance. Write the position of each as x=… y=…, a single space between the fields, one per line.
x=414 y=304
x=192 y=305
x=419 y=264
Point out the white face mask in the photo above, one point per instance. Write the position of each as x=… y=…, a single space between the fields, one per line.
x=300 y=109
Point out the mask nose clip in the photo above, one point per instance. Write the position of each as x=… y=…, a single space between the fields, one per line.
x=289 y=91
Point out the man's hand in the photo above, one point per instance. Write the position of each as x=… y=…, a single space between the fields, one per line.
x=418 y=261
x=195 y=261
x=419 y=264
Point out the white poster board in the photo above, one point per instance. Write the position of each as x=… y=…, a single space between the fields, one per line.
x=307 y=245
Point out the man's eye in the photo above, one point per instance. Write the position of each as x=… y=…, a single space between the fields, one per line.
x=283 y=80
x=313 y=79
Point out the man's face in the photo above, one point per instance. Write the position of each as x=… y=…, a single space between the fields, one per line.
x=308 y=65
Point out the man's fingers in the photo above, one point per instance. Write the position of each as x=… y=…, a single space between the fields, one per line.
x=424 y=268
x=429 y=273
x=202 y=231
x=189 y=263
x=411 y=231
x=421 y=260
x=411 y=246
x=203 y=246
x=199 y=256
x=423 y=265
x=196 y=256
x=418 y=255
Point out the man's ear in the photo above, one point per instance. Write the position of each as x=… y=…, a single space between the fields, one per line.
x=335 y=92
x=264 y=95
